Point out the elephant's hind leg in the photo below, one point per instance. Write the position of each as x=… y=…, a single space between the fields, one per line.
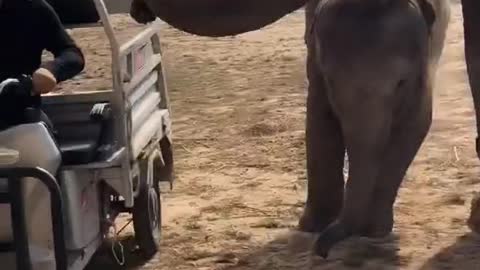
x=404 y=144
x=325 y=155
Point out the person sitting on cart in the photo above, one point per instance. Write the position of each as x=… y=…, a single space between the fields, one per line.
x=27 y=29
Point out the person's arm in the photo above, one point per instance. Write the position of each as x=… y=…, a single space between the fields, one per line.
x=68 y=58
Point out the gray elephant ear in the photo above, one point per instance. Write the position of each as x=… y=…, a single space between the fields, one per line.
x=428 y=12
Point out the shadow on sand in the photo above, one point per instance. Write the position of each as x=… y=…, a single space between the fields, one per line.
x=104 y=259
x=293 y=251
x=289 y=251
x=463 y=254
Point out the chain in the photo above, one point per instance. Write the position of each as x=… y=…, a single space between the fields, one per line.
x=121 y=260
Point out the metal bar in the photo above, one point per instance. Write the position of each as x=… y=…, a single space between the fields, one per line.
x=77 y=97
x=144 y=108
x=103 y=14
x=146 y=132
x=141 y=38
x=19 y=224
x=143 y=88
x=136 y=79
x=15 y=176
x=118 y=99
x=162 y=84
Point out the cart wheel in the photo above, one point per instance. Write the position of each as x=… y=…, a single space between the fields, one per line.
x=147 y=211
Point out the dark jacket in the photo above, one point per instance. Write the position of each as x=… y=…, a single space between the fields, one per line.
x=27 y=28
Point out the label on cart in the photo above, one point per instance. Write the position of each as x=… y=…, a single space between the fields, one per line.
x=139 y=58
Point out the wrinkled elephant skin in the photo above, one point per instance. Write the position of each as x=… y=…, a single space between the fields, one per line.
x=215 y=17
x=471 y=27
x=231 y=17
x=371 y=66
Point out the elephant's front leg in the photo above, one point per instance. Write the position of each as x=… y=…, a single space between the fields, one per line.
x=471 y=25
x=366 y=126
x=405 y=141
x=325 y=155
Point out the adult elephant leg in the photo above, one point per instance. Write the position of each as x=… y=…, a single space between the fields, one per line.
x=366 y=127
x=309 y=17
x=325 y=149
x=405 y=141
x=471 y=24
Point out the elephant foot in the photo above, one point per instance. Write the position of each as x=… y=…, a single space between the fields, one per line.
x=376 y=233
x=381 y=225
x=477 y=145
x=311 y=222
x=333 y=234
x=473 y=221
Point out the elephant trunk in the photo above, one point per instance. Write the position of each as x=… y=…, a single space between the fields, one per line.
x=331 y=236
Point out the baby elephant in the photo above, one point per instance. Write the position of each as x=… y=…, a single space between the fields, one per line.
x=371 y=66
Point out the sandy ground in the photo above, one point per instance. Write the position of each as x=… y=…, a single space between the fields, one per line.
x=238 y=109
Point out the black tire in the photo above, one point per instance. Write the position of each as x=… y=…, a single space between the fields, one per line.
x=147 y=214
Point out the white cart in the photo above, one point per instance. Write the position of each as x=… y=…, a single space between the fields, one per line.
x=112 y=150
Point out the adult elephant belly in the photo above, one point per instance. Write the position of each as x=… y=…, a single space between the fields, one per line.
x=214 y=17
x=370 y=67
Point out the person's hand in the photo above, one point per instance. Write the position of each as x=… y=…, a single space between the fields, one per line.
x=43 y=81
